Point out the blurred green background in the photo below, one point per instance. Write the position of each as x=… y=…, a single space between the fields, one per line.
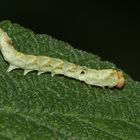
x=110 y=30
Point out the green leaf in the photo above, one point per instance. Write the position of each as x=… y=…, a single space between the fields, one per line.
x=42 y=107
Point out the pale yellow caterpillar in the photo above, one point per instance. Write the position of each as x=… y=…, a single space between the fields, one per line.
x=43 y=64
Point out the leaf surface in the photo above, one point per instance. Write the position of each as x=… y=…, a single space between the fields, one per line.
x=42 y=107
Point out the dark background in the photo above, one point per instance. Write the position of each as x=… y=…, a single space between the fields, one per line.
x=110 y=30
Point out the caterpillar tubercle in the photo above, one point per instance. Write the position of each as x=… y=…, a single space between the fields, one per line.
x=43 y=64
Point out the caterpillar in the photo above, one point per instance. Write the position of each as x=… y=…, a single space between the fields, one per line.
x=102 y=78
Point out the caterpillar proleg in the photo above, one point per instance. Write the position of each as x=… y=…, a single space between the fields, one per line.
x=43 y=64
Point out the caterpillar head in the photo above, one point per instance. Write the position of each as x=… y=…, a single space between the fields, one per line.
x=121 y=80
